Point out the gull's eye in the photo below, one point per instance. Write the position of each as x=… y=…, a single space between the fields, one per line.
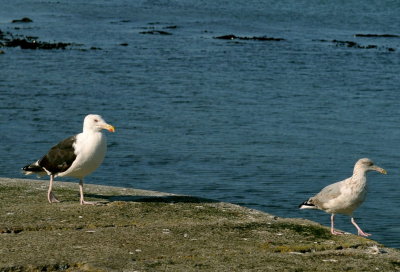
x=96 y=120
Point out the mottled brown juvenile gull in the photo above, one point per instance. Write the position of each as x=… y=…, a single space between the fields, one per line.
x=344 y=196
x=76 y=156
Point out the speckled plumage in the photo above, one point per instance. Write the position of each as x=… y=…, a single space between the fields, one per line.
x=345 y=196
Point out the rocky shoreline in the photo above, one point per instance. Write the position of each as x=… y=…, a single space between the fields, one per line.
x=136 y=230
x=10 y=40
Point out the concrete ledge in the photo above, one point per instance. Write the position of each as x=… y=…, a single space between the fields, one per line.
x=136 y=230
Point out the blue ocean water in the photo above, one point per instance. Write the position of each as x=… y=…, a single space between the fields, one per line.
x=264 y=124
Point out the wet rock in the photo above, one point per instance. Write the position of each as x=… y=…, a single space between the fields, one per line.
x=156 y=32
x=351 y=44
x=377 y=35
x=346 y=43
x=26 y=43
x=370 y=46
x=32 y=37
x=23 y=20
x=234 y=37
x=8 y=39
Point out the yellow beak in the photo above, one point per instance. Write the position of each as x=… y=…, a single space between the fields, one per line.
x=108 y=127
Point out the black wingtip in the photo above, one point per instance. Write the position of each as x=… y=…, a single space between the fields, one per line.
x=32 y=168
x=306 y=204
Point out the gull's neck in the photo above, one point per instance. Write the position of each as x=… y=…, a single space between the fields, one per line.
x=359 y=175
x=91 y=130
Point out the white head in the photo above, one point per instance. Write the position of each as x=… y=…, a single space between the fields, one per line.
x=94 y=122
x=366 y=165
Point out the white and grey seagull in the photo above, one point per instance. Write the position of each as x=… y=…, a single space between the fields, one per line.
x=76 y=156
x=345 y=196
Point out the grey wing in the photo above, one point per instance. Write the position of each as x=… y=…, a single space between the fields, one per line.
x=328 y=193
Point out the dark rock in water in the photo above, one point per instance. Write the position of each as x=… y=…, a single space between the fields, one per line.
x=234 y=37
x=345 y=43
x=32 y=37
x=377 y=35
x=351 y=44
x=227 y=37
x=8 y=39
x=170 y=27
x=124 y=44
x=390 y=49
x=23 y=20
x=2 y=52
x=33 y=44
x=159 y=32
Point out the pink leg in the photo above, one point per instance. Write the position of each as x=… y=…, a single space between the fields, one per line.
x=360 y=232
x=333 y=231
x=82 y=201
x=50 y=195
